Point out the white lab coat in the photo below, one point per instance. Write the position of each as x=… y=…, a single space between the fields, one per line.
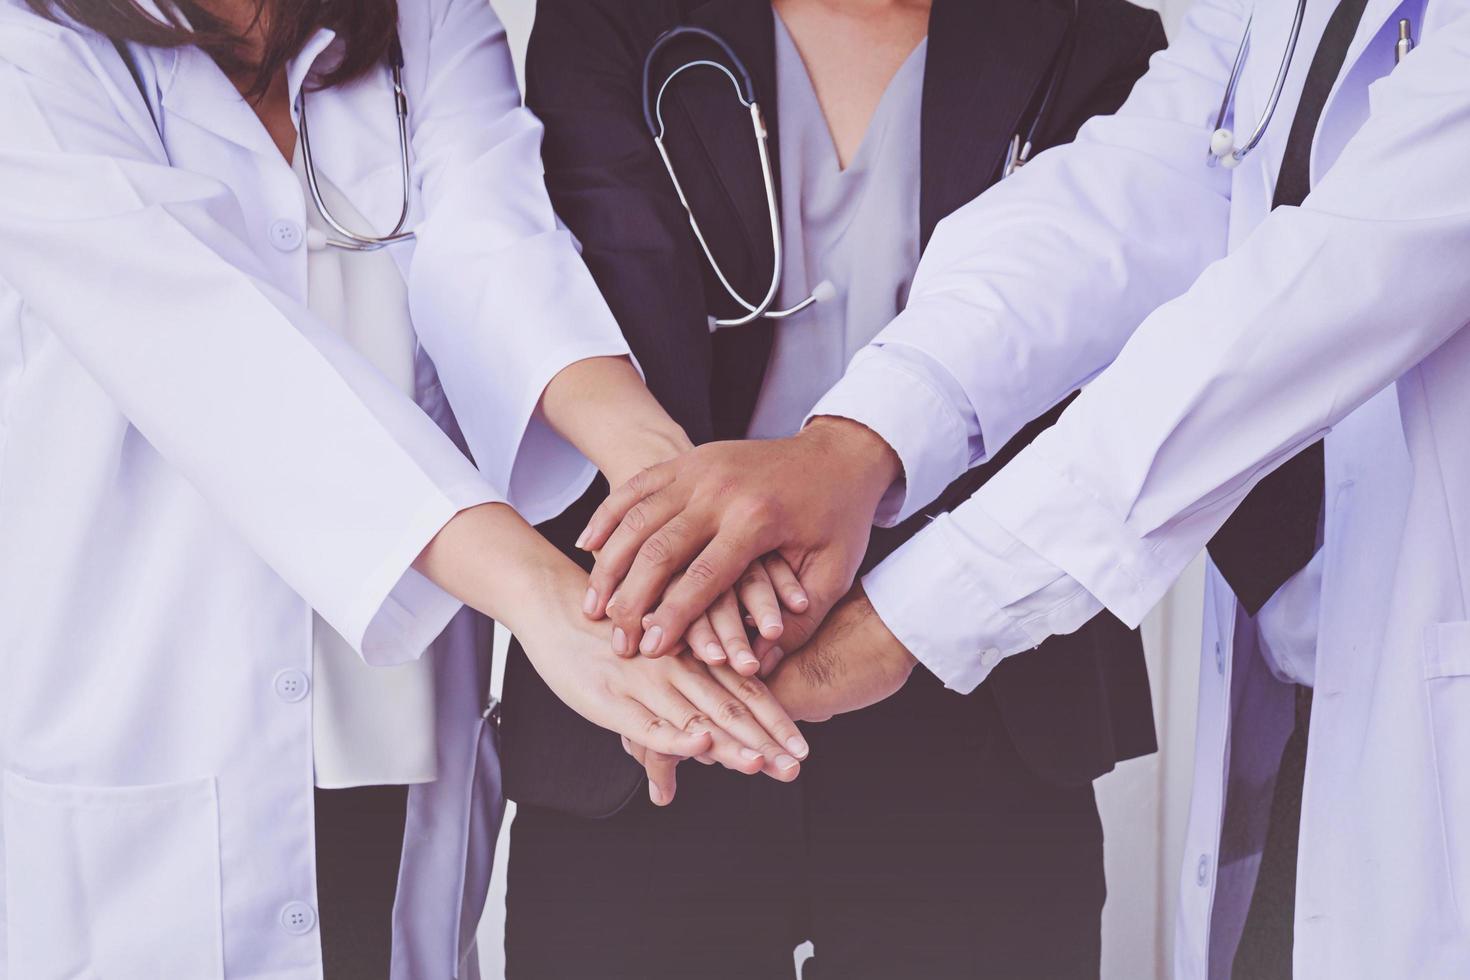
x=1249 y=334
x=190 y=463
x=1384 y=863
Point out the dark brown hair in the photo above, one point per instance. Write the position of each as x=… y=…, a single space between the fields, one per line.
x=366 y=28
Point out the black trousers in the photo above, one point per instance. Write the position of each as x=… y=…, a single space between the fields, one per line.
x=916 y=844
x=359 y=844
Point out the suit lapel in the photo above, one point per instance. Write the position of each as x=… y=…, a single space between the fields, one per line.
x=985 y=64
x=727 y=193
x=723 y=156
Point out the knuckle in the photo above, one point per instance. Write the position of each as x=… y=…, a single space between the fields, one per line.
x=701 y=571
x=756 y=511
x=636 y=518
x=749 y=689
x=656 y=550
x=731 y=711
x=726 y=485
x=637 y=482
x=696 y=723
x=654 y=727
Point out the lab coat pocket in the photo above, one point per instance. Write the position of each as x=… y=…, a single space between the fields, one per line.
x=112 y=883
x=1447 y=677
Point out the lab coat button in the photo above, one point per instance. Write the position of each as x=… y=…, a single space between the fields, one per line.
x=989 y=659
x=1202 y=873
x=298 y=918
x=292 y=685
x=285 y=235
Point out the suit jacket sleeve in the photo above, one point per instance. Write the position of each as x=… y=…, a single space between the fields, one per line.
x=583 y=79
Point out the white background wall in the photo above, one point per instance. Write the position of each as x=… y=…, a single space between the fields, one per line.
x=1144 y=802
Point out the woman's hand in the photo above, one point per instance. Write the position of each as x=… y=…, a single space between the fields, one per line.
x=492 y=560
x=671 y=707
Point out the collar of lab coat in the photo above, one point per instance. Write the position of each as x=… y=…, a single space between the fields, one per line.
x=194 y=88
x=353 y=127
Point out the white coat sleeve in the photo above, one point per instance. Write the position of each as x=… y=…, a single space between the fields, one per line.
x=1321 y=307
x=500 y=296
x=332 y=476
x=1028 y=291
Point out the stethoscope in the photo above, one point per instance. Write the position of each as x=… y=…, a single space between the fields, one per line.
x=1018 y=152
x=1223 y=147
x=350 y=240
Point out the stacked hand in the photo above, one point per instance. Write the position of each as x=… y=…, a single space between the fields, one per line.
x=666 y=709
x=776 y=527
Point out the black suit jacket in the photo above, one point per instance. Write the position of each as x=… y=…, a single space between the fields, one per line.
x=1074 y=707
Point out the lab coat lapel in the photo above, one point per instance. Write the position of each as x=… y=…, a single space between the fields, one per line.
x=984 y=65
x=1369 y=57
x=197 y=92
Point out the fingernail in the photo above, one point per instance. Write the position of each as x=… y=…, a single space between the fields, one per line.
x=582 y=539
x=713 y=651
x=798 y=600
x=798 y=746
x=750 y=755
x=589 y=602
x=655 y=794
x=744 y=658
x=620 y=640
x=785 y=763
x=647 y=621
x=652 y=639
x=771 y=628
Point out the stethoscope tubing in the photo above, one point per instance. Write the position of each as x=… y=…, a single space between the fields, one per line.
x=351 y=240
x=1238 y=152
x=744 y=92
x=1019 y=152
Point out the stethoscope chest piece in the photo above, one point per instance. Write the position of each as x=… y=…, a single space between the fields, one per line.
x=1225 y=150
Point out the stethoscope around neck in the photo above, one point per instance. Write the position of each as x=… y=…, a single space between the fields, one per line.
x=1224 y=149
x=745 y=93
x=1018 y=152
x=347 y=238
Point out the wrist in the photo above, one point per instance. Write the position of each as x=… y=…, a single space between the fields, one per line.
x=867 y=464
x=640 y=447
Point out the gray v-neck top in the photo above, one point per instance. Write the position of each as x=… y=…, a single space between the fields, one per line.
x=857 y=229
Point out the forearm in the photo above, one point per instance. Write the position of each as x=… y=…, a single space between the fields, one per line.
x=601 y=406
x=489 y=558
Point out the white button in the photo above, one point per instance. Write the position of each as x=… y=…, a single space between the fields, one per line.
x=298 y=918
x=1202 y=874
x=1219 y=658
x=989 y=658
x=292 y=685
x=286 y=235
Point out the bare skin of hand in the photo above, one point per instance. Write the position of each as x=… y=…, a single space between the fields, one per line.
x=718 y=635
x=675 y=706
x=852 y=662
x=713 y=511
